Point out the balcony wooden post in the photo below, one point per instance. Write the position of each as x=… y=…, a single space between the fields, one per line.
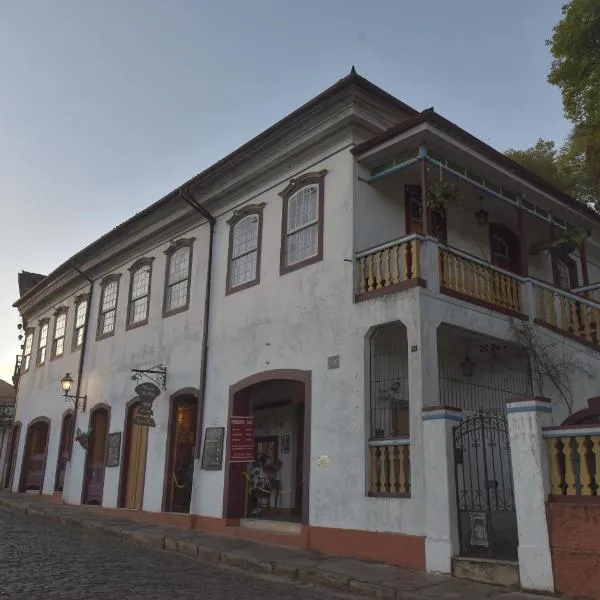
x=584 y=265
x=524 y=249
x=425 y=211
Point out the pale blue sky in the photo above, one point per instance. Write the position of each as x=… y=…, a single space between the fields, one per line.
x=107 y=105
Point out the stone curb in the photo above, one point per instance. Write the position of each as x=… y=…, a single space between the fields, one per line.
x=193 y=549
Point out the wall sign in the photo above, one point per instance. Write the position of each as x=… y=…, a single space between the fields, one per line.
x=241 y=439
x=212 y=452
x=284 y=444
x=147 y=392
x=113 y=453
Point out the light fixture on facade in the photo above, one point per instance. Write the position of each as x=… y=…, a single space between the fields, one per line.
x=467 y=367
x=78 y=401
x=482 y=215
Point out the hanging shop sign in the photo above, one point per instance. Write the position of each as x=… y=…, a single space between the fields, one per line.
x=147 y=392
x=212 y=453
x=113 y=452
x=241 y=439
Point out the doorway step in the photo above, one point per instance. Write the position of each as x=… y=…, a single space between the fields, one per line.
x=275 y=527
x=487 y=570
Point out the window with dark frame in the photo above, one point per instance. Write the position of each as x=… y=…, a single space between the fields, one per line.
x=27 y=350
x=177 y=284
x=302 y=221
x=108 y=306
x=42 y=344
x=139 y=293
x=243 y=267
x=58 y=340
x=80 y=315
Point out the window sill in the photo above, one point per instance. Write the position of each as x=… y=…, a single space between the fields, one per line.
x=136 y=325
x=387 y=495
x=283 y=268
x=104 y=336
x=243 y=286
x=175 y=311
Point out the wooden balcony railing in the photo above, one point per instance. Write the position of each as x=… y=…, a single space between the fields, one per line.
x=574 y=462
x=389 y=265
x=568 y=313
x=472 y=279
x=390 y=468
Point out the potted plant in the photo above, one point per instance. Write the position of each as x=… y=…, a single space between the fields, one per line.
x=567 y=241
x=83 y=438
x=439 y=195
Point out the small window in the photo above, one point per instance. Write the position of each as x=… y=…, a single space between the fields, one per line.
x=43 y=343
x=139 y=293
x=60 y=326
x=108 y=306
x=80 y=315
x=302 y=225
x=177 y=285
x=244 y=248
x=27 y=351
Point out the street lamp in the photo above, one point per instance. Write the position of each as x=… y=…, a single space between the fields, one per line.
x=78 y=401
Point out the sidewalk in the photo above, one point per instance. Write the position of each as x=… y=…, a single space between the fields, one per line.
x=348 y=575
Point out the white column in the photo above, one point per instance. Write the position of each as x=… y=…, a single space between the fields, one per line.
x=441 y=521
x=526 y=417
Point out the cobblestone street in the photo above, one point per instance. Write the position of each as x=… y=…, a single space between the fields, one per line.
x=41 y=559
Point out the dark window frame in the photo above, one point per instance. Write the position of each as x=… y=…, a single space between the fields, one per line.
x=62 y=310
x=563 y=256
x=513 y=244
x=181 y=243
x=237 y=217
x=79 y=300
x=30 y=331
x=141 y=263
x=42 y=323
x=114 y=277
x=296 y=185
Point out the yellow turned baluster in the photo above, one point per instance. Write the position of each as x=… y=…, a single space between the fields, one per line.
x=385 y=468
x=519 y=297
x=569 y=473
x=541 y=304
x=378 y=277
x=405 y=263
x=405 y=461
x=585 y=477
x=373 y=450
x=503 y=296
x=386 y=267
x=595 y=448
x=416 y=259
x=395 y=266
x=510 y=293
x=575 y=318
x=370 y=278
x=587 y=325
x=443 y=268
x=564 y=318
x=554 y=458
x=553 y=317
x=393 y=461
x=469 y=279
x=361 y=275
x=451 y=264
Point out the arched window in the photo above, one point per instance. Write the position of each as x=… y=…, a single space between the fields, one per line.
x=60 y=327
x=302 y=222
x=139 y=292
x=178 y=277
x=245 y=234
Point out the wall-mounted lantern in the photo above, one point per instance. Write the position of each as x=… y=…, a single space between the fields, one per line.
x=78 y=401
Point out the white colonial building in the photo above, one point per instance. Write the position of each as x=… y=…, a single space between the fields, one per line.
x=366 y=288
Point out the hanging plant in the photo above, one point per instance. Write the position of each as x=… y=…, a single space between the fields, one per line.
x=568 y=241
x=83 y=438
x=439 y=195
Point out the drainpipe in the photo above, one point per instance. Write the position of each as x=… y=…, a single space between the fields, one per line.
x=204 y=359
x=82 y=355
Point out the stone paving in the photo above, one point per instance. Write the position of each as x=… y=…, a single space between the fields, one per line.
x=62 y=552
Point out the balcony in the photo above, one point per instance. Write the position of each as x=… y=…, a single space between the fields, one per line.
x=418 y=261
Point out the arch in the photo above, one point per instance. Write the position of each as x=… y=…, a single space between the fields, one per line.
x=11 y=456
x=184 y=414
x=240 y=405
x=586 y=416
x=133 y=459
x=35 y=454
x=66 y=433
x=95 y=455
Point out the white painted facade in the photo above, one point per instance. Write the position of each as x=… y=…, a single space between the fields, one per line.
x=291 y=321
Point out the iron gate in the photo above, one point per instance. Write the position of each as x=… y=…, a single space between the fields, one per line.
x=487 y=521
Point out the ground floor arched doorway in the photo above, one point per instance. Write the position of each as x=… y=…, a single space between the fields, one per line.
x=34 y=455
x=11 y=456
x=278 y=403
x=180 y=453
x=133 y=474
x=95 y=461
x=66 y=434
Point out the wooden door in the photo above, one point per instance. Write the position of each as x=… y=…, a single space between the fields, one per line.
x=66 y=433
x=11 y=458
x=136 y=450
x=96 y=457
x=505 y=248
x=34 y=459
x=181 y=455
x=413 y=207
x=299 y=479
